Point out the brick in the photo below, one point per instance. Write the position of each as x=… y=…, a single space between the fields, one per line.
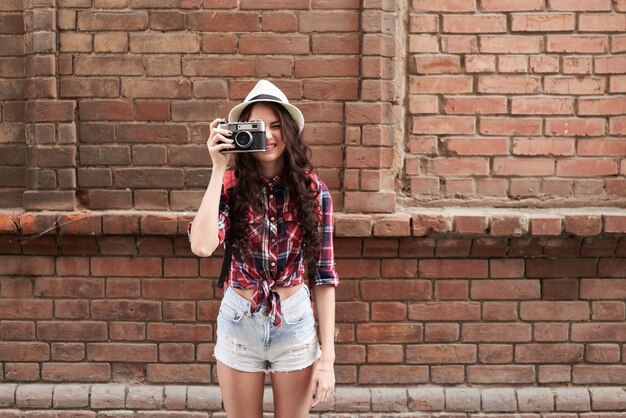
x=572 y=399
x=396 y=225
x=328 y=21
x=89 y=87
x=448 y=374
x=277 y=4
x=586 y=225
x=474 y=23
x=554 y=311
x=108 y=65
x=495 y=332
x=462 y=399
x=535 y=399
x=180 y=332
x=447 y=6
x=204 y=398
x=335 y=44
x=598 y=331
x=37 y=395
x=223 y=21
x=389 y=399
x=395 y=289
x=426 y=399
x=352 y=399
x=441 y=353
x=560 y=268
x=305 y=67
x=434 y=84
x=388 y=311
x=389 y=333
x=433 y=311
x=450 y=268
x=112 y=21
x=369 y=202
x=274 y=44
x=548 y=353
x=389 y=374
x=90 y=110
x=610 y=399
x=108 y=395
x=608 y=310
x=156 y=88
x=427 y=224
x=501 y=374
x=179 y=373
x=172 y=42
x=151 y=133
x=506 y=289
x=602 y=353
x=503 y=225
x=144 y=396
x=498 y=399
x=71 y=396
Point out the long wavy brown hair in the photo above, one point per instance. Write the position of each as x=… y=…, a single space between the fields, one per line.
x=246 y=195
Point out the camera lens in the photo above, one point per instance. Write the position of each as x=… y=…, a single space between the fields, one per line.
x=243 y=139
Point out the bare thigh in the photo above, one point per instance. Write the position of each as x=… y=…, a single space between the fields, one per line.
x=293 y=393
x=242 y=392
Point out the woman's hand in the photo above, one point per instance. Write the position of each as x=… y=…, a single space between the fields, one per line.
x=218 y=142
x=323 y=383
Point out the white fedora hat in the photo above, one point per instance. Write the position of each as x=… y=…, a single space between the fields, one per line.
x=264 y=91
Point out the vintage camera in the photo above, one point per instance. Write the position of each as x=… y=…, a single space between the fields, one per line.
x=247 y=136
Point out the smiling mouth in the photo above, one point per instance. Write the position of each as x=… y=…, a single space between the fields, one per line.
x=270 y=146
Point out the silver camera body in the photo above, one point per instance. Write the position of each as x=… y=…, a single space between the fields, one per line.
x=246 y=136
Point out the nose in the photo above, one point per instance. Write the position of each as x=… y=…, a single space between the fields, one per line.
x=268 y=134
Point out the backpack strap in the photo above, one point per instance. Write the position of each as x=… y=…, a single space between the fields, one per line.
x=229 y=182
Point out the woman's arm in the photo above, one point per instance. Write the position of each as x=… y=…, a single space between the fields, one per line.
x=325 y=279
x=204 y=233
x=325 y=304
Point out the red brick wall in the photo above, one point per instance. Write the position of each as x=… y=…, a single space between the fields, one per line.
x=441 y=104
x=484 y=103
x=107 y=305
x=517 y=101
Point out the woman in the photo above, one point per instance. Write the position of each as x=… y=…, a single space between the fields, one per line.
x=279 y=217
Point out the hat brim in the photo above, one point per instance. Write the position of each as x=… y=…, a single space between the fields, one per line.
x=235 y=112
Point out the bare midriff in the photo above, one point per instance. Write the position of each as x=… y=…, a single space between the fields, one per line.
x=283 y=292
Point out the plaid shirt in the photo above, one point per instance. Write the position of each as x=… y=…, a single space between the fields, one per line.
x=274 y=255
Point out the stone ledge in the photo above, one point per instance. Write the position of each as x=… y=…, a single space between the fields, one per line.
x=194 y=401
x=450 y=221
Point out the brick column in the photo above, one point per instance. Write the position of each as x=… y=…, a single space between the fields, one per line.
x=50 y=122
x=12 y=146
x=370 y=135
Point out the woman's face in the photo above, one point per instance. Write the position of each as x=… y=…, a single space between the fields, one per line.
x=275 y=143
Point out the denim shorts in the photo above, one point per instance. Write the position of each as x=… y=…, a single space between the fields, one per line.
x=249 y=342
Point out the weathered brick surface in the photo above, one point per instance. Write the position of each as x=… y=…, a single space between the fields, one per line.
x=435 y=138
x=337 y=60
x=376 y=401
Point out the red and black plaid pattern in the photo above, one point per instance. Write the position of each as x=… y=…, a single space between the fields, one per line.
x=274 y=256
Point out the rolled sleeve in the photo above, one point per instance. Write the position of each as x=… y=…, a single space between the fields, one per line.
x=325 y=273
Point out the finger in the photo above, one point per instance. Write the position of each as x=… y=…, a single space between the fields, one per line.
x=219 y=138
x=220 y=147
x=215 y=122
x=222 y=131
x=324 y=395
x=316 y=393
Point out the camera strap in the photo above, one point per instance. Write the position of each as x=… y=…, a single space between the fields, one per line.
x=225 y=263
